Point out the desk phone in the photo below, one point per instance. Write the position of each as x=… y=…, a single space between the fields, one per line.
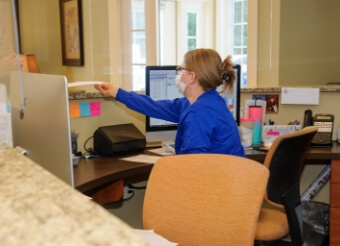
x=324 y=123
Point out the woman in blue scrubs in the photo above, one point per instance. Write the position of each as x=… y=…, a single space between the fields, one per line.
x=205 y=124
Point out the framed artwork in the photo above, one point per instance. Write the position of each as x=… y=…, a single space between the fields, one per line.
x=259 y=97
x=71 y=32
x=272 y=104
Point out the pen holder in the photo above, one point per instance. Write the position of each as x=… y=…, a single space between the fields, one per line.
x=255 y=112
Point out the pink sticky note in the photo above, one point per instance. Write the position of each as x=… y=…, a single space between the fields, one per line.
x=95 y=108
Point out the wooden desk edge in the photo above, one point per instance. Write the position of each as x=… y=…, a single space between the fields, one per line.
x=109 y=177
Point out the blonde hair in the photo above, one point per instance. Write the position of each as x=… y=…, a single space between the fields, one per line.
x=211 y=72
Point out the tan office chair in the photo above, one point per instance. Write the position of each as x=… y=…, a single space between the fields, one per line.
x=205 y=199
x=282 y=214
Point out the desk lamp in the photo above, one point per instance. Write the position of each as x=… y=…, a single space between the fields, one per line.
x=29 y=63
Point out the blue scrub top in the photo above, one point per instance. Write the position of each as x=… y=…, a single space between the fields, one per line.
x=206 y=126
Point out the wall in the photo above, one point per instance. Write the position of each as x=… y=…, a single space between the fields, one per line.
x=309 y=44
x=297 y=43
x=40 y=35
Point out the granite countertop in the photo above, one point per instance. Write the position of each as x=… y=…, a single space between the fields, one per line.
x=330 y=88
x=74 y=95
x=37 y=208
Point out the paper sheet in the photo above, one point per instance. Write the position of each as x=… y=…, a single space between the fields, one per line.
x=83 y=83
x=142 y=158
x=5 y=117
x=153 y=238
x=302 y=96
x=160 y=151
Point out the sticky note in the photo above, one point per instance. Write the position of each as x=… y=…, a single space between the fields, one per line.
x=74 y=110
x=84 y=109
x=95 y=108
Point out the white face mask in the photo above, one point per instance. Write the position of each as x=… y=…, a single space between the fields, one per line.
x=179 y=84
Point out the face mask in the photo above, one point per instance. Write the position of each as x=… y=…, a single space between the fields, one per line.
x=180 y=85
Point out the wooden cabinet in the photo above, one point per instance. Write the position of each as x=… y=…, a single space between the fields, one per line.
x=335 y=204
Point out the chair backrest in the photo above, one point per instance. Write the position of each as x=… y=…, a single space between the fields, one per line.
x=205 y=199
x=285 y=162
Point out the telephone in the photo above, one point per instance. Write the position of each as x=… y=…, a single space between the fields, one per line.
x=324 y=123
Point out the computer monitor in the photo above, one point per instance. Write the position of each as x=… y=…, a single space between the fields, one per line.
x=233 y=99
x=160 y=84
x=44 y=130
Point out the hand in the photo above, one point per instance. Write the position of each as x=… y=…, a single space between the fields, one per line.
x=107 y=89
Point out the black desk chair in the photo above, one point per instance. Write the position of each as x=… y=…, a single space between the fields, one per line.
x=280 y=221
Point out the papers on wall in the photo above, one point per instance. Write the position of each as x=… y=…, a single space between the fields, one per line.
x=303 y=96
x=5 y=117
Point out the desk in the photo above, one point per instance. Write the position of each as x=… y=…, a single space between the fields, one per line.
x=313 y=156
x=93 y=173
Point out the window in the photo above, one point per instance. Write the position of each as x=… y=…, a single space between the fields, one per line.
x=184 y=25
x=192 y=31
x=138 y=49
x=167 y=39
x=240 y=42
x=240 y=27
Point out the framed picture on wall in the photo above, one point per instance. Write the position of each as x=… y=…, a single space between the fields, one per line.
x=71 y=32
x=272 y=104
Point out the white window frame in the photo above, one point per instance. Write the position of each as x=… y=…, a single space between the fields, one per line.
x=213 y=39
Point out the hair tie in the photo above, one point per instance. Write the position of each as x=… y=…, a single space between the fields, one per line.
x=225 y=76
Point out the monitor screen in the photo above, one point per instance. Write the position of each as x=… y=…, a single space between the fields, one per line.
x=233 y=99
x=44 y=130
x=161 y=84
